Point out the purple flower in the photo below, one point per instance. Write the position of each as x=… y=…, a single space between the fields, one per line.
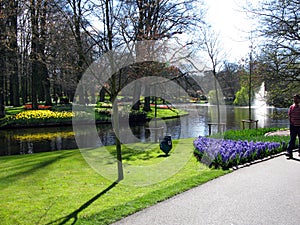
x=231 y=151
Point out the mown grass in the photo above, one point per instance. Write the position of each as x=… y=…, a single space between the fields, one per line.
x=253 y=135
x=61 y=187
x=165 y=113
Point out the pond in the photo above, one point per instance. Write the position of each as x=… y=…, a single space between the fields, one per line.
x=44 y=139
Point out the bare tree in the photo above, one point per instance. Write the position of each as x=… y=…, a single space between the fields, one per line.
x=211 y=45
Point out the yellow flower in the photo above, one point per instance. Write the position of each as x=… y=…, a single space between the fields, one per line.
x=43 y=114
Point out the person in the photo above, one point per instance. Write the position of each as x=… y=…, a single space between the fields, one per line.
x=294 y=118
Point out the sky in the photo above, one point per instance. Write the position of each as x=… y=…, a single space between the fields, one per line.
x=227 y=19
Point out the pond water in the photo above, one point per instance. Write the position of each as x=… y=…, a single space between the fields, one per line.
x=44 y=139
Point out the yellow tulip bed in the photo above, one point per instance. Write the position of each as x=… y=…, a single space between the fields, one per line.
x=41 y=116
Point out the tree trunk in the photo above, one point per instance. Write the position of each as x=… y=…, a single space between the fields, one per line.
x=147 y=107
x=13 y=55
x=118 y=143
x=136 y=96
x=102 y=95
x=46 y=87
x=2 y=67
x=41 y=52
x=33 y=54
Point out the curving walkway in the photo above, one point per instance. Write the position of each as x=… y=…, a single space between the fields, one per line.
x=264 y=193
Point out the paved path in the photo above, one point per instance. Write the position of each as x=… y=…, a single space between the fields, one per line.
x=267 y=193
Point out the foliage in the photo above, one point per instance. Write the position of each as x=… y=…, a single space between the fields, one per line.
x=212 y=97
x=278 y=114
x=242 y=97
x=280 y=94
x=13 y=110
x=16 y=116
x=61 y=108
x=279 y=27
x=104 y=105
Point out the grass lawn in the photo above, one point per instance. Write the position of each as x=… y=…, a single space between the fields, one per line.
x=61 y=188
x=19 y=116
x=166 y=113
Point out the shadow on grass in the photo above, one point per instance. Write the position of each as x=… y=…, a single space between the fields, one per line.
x=38 y=164
x=74 y=215
x=163 y=156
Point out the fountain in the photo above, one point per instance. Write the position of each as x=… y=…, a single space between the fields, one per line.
x=260 y=105
x=259 y=100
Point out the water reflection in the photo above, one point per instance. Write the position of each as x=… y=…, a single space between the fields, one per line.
x=32 y=140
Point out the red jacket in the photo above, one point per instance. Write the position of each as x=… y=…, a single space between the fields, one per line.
x=294 y=114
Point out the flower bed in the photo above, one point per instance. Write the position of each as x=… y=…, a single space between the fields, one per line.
x=29 y=106
x=229 y=153
x=161 y=106
x=40 y=116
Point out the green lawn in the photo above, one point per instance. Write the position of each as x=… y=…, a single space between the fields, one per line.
x=61 y=187
x=101 y=114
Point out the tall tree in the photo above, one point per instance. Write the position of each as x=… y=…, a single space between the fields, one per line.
x=212 y=46
x=279 y=20
x=2 y=58
x=157 y=20
x=40 y=86
x=229 y=80
x=12 y=54
x=34 y=54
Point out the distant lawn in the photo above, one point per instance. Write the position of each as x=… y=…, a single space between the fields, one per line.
x=60 y=187
x=102 y=114
x=166 y=113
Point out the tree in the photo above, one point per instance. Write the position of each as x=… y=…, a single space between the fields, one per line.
x=40 y=85
x=277 y=68
x=9 y=53
x=229 y=80
x=211 y=45
x=157 y=20
x=279 y=20
x=242 y=97
x=2 y=61
x=12 y=53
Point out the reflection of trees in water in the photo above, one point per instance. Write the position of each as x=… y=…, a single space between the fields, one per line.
x=56 y=143
x=190 y=126
x=26 y=147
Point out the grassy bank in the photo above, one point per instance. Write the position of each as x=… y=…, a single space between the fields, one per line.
x=60 y=188
x=62 y=115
